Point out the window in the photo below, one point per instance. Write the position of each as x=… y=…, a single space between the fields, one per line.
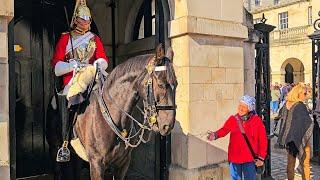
x=257 y=2
x=145 y=25
x=256 y=21
x=310 y=15
x=275 y=2
x=283 y=20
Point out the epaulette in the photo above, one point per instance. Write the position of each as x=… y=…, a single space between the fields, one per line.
x=65 y=33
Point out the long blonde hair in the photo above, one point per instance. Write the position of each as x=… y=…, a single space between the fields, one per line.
x=293 y=95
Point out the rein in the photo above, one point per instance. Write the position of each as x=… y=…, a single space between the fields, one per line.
x=107 y=116
x=150 y=109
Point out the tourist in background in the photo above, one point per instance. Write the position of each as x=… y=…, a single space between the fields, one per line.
x=275 y=97
x=283 y=93
x=296 y=130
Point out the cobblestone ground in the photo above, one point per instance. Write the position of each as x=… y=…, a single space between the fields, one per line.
x=279 y=164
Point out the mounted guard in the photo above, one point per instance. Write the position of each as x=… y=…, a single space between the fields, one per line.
x=105 y=127
x=76 y=49
x=77 y=56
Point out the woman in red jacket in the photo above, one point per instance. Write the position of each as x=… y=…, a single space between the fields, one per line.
x=242 y=162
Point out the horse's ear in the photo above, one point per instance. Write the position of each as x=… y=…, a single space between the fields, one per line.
x=160 y=51
x=170 y=53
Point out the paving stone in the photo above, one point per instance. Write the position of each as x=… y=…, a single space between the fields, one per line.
x=279 y=165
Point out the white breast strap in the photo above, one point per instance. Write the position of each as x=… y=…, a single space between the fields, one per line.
x=160 y=68
x=79 y=41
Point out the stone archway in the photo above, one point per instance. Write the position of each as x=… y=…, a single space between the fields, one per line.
x=292 y=71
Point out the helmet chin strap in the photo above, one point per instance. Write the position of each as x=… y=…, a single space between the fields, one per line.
x=81 y=31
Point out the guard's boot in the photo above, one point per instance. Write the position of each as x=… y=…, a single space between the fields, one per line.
x=63 y=154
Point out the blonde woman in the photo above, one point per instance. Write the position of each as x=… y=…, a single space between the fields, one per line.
x=296 y=131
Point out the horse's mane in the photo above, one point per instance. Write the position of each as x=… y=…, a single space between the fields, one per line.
x=132 y=65
x=136 y=65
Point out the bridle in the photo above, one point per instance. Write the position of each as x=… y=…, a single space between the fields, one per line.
x=151 y=106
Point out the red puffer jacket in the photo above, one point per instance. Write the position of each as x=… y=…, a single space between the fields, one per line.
x=239 y=151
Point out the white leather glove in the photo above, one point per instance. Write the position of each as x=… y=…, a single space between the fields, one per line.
x=62 y=67
x=102 y=63
x=74 y=63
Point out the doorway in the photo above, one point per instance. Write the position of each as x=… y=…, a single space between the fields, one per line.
x=289 y=74
x=37 y=27
x=293 y=70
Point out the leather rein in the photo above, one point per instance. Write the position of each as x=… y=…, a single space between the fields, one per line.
x=150 y=110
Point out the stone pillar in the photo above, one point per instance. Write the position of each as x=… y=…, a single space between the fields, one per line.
x=207 y=39
x=298 y=77
x=308 y=76
x=6 y=14
x=249 y=55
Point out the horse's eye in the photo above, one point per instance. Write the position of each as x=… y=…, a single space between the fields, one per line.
x=162 y=86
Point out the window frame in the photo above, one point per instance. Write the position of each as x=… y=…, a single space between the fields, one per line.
x=283 y=21
x=257 y=2
x=146 y=16
x=310 y=15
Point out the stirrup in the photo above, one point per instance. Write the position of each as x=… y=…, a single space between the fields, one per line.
x=63 y=154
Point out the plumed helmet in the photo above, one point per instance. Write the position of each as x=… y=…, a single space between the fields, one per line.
x=81 y=10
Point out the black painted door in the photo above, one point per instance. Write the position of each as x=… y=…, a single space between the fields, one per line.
x=37 y=24
x=32 y=71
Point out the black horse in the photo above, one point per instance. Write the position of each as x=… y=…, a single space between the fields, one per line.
x=150 y=78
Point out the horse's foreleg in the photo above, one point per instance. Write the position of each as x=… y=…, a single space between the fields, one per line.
x=122 y=171
x=97 y=170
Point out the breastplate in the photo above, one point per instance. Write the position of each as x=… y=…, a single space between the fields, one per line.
x=84 y=51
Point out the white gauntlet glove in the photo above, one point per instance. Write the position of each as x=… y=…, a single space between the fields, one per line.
x=62 y=67
x=101 y=63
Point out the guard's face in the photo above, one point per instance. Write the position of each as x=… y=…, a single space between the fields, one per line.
x=243 y=109
x=83 y=24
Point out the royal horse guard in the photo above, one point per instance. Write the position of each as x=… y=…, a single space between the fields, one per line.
x=78 y=55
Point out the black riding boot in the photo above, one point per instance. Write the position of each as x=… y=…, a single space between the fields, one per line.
x=63 y=154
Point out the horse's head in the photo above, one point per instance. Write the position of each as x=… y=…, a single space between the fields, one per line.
x=158 y=91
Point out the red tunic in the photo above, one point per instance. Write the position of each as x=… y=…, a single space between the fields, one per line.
x=238 y=151
x=60 y=53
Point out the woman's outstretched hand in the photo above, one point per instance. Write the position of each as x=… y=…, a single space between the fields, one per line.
x=211 y=136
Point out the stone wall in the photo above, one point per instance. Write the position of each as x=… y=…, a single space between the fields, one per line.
x=294 y=42
x=209 y=62
x=6 y=14
x=269 y=4
x=297 y=14
x=280 y=54
x=249 y=55
x=315 y=9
